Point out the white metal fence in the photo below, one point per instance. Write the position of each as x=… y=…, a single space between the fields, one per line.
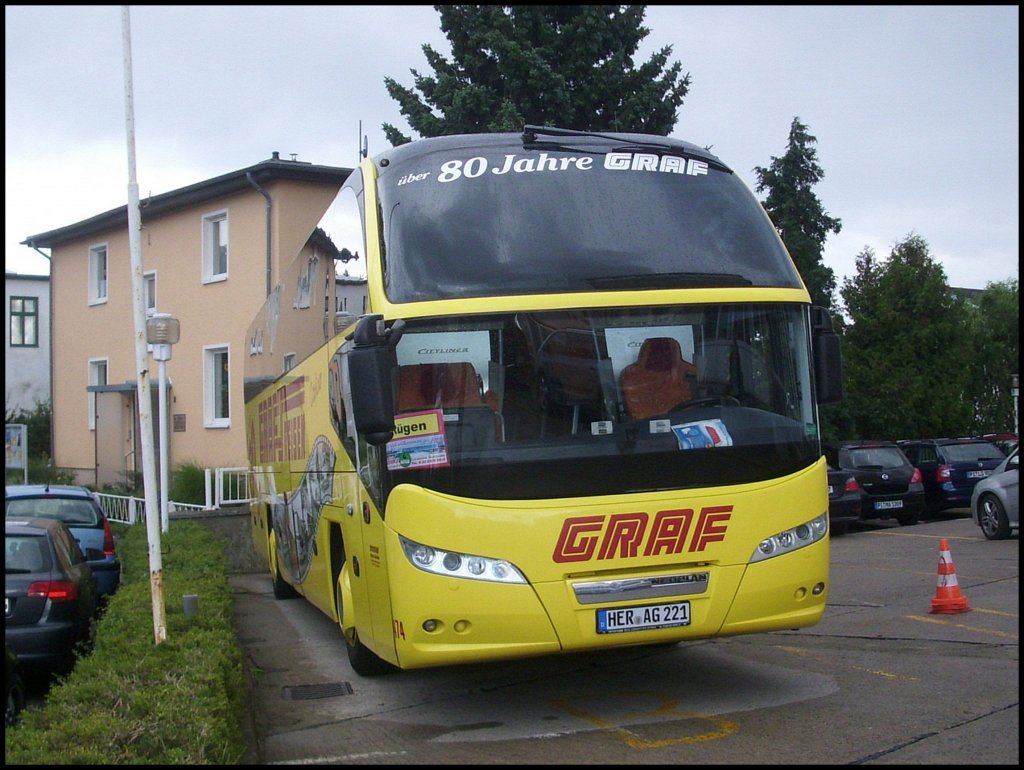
x=230 y=487
x=224 y=487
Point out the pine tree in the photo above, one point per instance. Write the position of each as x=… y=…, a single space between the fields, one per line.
x=797 y=213
x=562 y=65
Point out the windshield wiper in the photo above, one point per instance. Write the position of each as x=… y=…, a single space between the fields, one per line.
x=670 y=280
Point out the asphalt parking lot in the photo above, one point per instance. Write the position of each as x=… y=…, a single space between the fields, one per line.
x=880 y=680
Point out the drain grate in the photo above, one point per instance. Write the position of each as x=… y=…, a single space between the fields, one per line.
x=315 y=691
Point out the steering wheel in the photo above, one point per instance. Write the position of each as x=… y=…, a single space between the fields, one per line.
x=720 y=400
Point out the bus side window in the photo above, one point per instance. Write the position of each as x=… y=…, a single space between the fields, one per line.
x=339 y=413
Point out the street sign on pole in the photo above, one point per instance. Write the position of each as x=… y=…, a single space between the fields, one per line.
x=16 y=441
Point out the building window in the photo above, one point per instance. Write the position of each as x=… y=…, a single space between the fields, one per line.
x=216 y=387
x=97 y=376
x=215 y=246
x=150 y=281
x=97 y=274
x=289 y=361
x=24 y=322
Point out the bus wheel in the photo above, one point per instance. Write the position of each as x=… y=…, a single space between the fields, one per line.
x=282 y=589
x=363 y=661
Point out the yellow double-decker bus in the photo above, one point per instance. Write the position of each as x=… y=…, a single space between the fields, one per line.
x=580 y=412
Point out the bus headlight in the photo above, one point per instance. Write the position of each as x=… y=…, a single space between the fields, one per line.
x=790 y=540
x=462 y=565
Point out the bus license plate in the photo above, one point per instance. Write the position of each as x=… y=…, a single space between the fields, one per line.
x=886 y=504
x=613 y=621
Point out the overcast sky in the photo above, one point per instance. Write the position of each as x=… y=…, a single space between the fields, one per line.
x=915 y=109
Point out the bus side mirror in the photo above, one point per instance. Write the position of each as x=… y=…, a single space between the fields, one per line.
x=828 y=359
x=370 y=363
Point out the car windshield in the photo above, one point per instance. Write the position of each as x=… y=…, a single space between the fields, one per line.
x=25 y=553
x=881 y=457
x=72 y=511
x=959 y=453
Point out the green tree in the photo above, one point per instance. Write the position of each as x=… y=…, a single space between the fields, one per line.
x=995 y=356
x=904 y=347
x=797 y=213
x=564 y=65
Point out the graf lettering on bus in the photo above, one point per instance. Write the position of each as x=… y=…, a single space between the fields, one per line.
x=282 y=424
x=626 y=535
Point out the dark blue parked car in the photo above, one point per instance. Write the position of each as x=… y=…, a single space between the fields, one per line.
x=79 y=509
x=950 y=467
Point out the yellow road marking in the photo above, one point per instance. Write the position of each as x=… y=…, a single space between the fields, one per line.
x=943 y=622
x=667 y=707
x=822 y=657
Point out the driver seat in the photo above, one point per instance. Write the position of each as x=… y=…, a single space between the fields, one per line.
x=660 y=379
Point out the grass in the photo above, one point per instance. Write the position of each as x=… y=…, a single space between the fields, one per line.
x=132 y=701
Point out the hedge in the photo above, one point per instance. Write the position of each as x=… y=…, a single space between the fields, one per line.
x=129 y=700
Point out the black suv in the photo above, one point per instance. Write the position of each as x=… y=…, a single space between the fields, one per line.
x=890 y=486
x=950 y=467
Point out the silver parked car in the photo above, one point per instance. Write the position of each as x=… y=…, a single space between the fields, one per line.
x=994 y=500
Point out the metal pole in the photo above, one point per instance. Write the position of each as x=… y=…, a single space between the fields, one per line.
x=1015 y=394
x=156 y=575
x=164 y=509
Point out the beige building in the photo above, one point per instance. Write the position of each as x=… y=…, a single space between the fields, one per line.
x=211 y=254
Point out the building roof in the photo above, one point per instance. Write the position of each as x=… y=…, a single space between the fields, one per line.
x=264 y=171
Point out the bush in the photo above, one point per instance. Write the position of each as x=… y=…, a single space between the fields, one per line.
x=40 y=471
x=37 y=422
x=131 y=485
x=132 y=701
x=188 y=483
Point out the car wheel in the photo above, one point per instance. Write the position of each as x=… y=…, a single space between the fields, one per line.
x=15 y=700
x=908 y=519
x=992 y=518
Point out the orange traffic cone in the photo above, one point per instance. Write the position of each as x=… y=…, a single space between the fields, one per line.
x=948 y=600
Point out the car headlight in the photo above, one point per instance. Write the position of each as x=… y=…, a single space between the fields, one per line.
x=461 y=565
x=793 y=539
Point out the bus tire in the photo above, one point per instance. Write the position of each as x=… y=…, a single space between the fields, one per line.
x=282 y=589
x=363 y=661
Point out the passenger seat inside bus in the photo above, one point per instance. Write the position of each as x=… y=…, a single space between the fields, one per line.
x=449 y=386
x=659 y=379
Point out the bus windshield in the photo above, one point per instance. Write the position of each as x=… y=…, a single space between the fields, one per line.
x=532 y=405
x=504 y=219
